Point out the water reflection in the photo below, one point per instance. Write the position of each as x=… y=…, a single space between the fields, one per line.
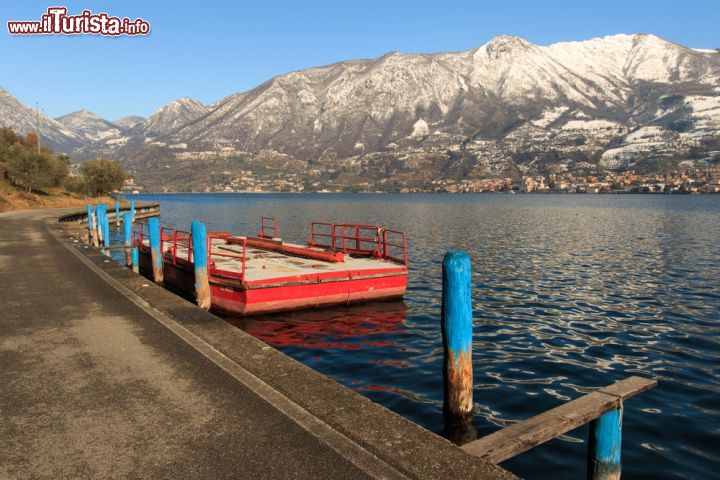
x=571 y=293
x=349 y=327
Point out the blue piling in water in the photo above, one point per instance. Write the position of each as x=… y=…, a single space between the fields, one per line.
x=457 y=335
x=89 y=216
x=135 y=257
x=101 y=214
x=199 y=249
x=117 y=213
x=604 y=446
x=89 y=222
x=127 y=237
x=155 y=250
x=106 y=230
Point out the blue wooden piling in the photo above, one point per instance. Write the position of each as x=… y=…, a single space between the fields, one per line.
x=604 y=446
x=127 y=237
x=95 y=230
x=117 y=213
x=457 y=335
x=135 y=259
x=90 y=223
x=132 y=209
x=106 y=230
x=199 y=249
x=101 y=214
x=98 y=221
x=155 y=250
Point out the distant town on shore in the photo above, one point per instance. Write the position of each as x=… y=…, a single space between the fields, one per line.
x=688 y=181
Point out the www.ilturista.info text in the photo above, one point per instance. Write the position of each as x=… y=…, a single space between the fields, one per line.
x=57 y=22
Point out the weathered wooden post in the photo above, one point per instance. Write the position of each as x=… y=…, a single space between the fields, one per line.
x=101 y=213
x=90 y=223
x=155 y=250
x=127 y=237
x=604 y=446
x=135 y=259
x=117 y=213
x=98 y=221
x=457 y=335
x=106 y=231
x=95 y=230
x=199 y=250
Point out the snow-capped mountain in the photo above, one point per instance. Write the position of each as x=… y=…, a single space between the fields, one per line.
x=170 y=117
x=89 y=126
x=23 y=120
x=127 y=123
x=506 y=107
x=622 y=101
x=144 y=135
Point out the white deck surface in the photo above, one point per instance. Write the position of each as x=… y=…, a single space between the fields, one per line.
x=265 y=264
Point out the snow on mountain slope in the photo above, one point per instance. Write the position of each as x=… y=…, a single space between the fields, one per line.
x=508 y=102
x=170 y=117
x=126 y=123
x=89 y=126
x=23 y=120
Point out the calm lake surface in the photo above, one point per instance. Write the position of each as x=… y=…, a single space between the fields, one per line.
x=571 y=292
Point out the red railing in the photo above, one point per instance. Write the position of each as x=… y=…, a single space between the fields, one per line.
x=226 y=273
x=140 y=232
x=268 y=224
x=175 y=237
x=360 y=239
x=392 y=247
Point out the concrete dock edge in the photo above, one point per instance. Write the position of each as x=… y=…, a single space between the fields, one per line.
x=378 y=441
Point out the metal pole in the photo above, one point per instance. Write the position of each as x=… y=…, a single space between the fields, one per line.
x=457 y=335
x=127 y=237
x=199 y=250
x=37 y=126
x=604 y=446
x=156 y=253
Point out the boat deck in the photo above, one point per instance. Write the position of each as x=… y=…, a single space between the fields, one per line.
x=264 y=265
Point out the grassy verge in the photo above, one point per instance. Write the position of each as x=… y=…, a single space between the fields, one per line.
x=13 y=198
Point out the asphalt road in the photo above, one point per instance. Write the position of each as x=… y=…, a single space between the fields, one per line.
x=91 y=386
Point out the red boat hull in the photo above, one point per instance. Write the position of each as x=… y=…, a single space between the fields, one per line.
x=257 y=299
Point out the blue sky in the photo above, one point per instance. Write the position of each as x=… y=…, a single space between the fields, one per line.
x=208 y=50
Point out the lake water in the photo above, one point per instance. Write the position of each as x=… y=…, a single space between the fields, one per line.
x=571 y=292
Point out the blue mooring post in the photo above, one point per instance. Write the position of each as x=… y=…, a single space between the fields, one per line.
x=89 y=223
x=117 y=213
x=101 y=212
x=199 y=249
x=457 y=335
x=132 y=209
x=127 y=237
x=155 y=250
x=106 y=231
x=604 y=446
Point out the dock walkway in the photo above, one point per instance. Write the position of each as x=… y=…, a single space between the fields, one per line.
x=96 y=383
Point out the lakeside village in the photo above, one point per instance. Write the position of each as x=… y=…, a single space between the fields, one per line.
x=690 y=180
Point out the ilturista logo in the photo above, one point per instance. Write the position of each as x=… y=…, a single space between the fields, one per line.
x=56 y=21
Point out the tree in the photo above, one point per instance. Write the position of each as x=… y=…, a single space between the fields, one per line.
x=102 y=176
x=32 y=170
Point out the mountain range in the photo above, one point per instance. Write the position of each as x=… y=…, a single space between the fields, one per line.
x=506 y=108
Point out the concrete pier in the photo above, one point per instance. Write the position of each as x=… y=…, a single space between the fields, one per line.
x=107 y=375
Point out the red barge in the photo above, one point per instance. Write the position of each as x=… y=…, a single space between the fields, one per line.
x=341 y=264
